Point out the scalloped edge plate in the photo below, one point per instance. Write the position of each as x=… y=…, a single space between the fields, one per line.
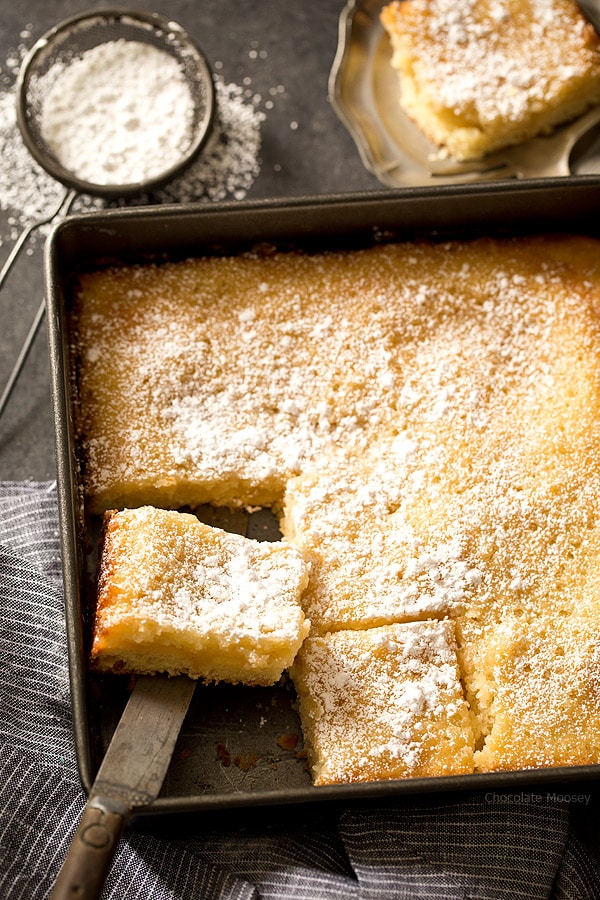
x=364 y=90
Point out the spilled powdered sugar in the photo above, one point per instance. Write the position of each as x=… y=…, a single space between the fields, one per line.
x=27 y=193
x=230 y=161
x=226 y=169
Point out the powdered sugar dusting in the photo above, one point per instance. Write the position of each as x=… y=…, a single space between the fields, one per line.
x=480 y=76
x=26 y=191
x=427 y=415
x=487 y=58
x=230 y=161
x=383 y=703
x=223 y=583
x=191 y=598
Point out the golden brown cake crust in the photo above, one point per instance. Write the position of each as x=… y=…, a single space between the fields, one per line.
x=544 y=682
x=216 y=380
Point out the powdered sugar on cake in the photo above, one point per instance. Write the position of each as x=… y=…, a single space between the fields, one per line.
x=385 y=701
x=426 y=418
x=178 y=596
x=497 y=82
x=477 y=77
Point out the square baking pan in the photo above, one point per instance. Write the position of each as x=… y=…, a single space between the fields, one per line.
x=240 y=746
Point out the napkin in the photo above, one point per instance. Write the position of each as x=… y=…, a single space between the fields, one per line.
x=483 y=845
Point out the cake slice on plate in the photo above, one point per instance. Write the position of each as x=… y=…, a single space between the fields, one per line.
x=480 y=75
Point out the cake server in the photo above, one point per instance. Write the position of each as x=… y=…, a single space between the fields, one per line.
x=130 y=777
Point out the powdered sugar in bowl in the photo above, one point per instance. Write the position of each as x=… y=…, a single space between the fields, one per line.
x=114 y=102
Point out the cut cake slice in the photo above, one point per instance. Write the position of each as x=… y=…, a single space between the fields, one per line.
x=181 y=597
x=541 y=682
x=383 y=703
x=479 y=75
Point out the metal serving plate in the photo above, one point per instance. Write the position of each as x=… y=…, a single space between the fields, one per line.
x=365 y=91
x=242 y=747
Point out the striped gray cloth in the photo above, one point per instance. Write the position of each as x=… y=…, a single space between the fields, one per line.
x=477 y=846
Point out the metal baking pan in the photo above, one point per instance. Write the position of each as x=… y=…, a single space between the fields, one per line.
x=242 y=747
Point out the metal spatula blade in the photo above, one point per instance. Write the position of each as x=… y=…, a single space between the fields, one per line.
x=130 y=777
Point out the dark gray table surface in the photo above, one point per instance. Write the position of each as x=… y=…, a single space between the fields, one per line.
x=282 y=51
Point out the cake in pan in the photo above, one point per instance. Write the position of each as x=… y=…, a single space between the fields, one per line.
x=425 y=419
x=479 y=75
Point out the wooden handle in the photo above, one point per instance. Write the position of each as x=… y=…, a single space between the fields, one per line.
x=90 y=855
